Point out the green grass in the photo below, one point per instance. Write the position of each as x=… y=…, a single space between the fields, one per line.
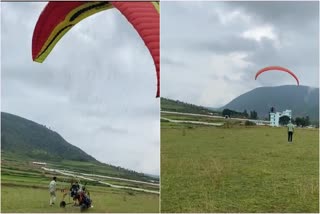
x=174 y=105
x=192 y=118
x=24 y=188
x=18 y=161
x=208 y=169
x=36 y=200
x=227 y=122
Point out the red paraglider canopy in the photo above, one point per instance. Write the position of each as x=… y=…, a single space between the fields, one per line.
x=58 y=18
x=277 y=68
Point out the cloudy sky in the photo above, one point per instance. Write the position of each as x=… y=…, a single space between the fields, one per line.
x=97 y=87
x=210 y=51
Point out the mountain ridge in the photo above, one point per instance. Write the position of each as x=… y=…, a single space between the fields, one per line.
x=302 y=100
x=25 y=139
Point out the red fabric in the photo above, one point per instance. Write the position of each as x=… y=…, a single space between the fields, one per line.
x=51 y=16
x=142 y=15
x=278 y=68
x=146 y=20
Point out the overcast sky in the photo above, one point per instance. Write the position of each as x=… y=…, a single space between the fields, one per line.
x=210 y=51
x=97 y=87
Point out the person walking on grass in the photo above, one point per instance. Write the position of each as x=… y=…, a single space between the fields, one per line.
x=290 y=131
x=52 y=190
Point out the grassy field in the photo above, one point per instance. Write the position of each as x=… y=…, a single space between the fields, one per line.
x=36 y=200
x=238 y=169
x=20 y=161
x=24 y=188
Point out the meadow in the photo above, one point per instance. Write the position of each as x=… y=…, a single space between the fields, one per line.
x=24 y=188
x=238 y=168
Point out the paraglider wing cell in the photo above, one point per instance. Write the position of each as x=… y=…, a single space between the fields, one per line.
x=145 y=18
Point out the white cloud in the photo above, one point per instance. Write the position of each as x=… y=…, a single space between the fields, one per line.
x=261 y=32
x=235 y=16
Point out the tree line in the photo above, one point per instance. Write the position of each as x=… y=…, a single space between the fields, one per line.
x=231 y=113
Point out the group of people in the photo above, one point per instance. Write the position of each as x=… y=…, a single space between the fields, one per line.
x=77 y=192
x=75 y=187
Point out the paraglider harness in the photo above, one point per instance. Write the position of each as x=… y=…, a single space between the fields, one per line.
x=84 y=199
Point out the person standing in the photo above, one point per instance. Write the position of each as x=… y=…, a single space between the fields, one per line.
x=290 y=131
x=52 y=190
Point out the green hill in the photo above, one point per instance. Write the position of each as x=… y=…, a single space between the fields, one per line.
x=302 y=100
x=25 y=140
x=179 y=106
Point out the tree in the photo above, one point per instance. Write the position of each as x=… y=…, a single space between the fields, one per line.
x=226 y=112
x=298 y=121
x=307 y=121
x=249 y=123
x=284 y=120
x=301 y=121
x=253 y=115
x=245 y=113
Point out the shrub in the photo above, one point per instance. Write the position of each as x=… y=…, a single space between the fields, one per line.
x=249 y=123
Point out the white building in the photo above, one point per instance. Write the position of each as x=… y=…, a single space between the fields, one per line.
x=275 y=117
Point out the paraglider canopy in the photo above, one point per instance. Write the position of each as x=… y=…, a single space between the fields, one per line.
x=58 y=18
x=277 y=68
